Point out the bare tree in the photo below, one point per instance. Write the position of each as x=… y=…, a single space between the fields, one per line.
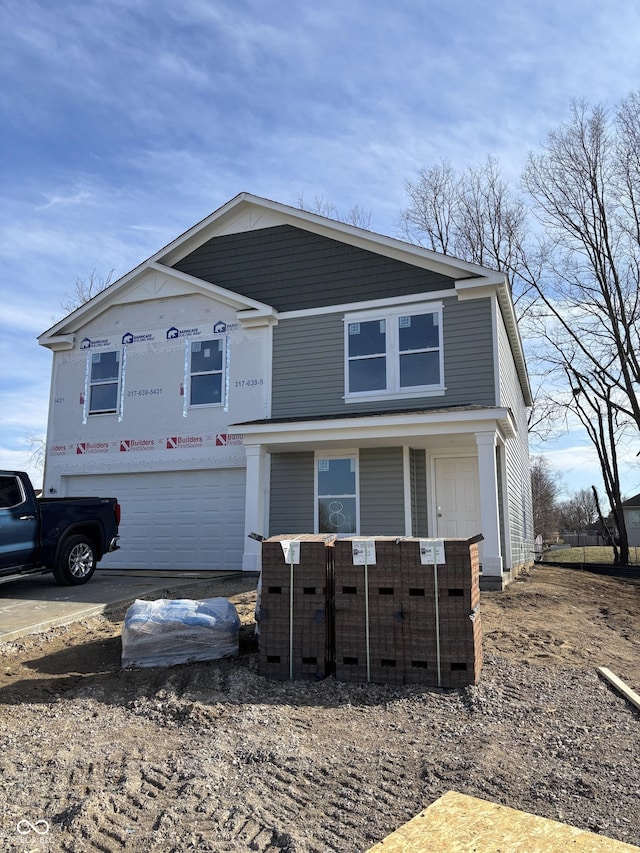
x=85 y=289
x=37 y=451
x=323 y=207
x=579 y=511
x=586 y=189
x=545 y=487
x=472 y=215
x=475 y=216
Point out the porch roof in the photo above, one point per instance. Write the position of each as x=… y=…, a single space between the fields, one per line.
x=444 y=427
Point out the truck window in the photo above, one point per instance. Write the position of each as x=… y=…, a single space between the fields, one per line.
x=10 y=492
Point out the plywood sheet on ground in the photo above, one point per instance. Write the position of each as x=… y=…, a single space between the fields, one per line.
x=459 y=824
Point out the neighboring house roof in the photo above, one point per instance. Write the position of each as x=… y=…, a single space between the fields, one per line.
x=632 y=502
x=246 y=212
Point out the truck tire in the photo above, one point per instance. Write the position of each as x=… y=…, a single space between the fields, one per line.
x=76 y=562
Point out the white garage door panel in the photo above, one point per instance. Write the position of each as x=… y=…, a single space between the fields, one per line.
x=173 y=520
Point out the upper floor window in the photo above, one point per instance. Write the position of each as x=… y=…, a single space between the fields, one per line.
x=398 y=353
x=104 y=380
x=207 y=372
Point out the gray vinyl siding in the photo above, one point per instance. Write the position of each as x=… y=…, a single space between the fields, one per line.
x=418 y=473
x=381 y=485
x=516 y=457
x=381 y=492
x=292 y=269
x=308 y=364
x=469 y=373
x=292 y=503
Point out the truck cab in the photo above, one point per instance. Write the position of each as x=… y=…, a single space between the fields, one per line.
x=18 y=523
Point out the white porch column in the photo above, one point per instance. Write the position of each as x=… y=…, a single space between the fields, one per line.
x=254 y=506
x=489 y=509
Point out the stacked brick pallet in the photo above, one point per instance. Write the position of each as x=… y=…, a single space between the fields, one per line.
x=368 y=614
x=294 y=619
x=375 y=610
x=442 y=633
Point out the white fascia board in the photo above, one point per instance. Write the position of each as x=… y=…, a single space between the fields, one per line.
x=398 y=428
x=436 y=296
x=116 y=294
x=59 y=343
x=93 y=308
x=255 y=319
x=217 y=224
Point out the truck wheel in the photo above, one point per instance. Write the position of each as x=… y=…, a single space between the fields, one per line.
x=76 y=562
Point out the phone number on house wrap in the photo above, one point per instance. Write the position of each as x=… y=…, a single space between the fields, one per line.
x=144 y=392
x=247 y=383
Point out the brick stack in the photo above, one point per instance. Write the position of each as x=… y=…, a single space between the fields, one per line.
x=298 y=648
x=456 y=647
x=376 y=622
x=381 y=661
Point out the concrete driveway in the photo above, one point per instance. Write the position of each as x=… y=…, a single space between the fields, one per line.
x=36 y=603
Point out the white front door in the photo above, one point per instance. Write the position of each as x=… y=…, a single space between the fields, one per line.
x=457 y=498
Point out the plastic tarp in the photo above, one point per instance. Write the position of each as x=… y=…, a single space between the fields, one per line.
x=167 y=632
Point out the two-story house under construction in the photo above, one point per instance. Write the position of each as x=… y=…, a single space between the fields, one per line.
x=274 y=371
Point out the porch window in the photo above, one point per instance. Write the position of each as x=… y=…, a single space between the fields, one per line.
x=104 y=380
x=207 y=369
x=337 y=498
x=398 y=354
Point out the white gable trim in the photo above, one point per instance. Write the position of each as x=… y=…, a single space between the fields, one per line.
x=246 y=212
x=149 y=281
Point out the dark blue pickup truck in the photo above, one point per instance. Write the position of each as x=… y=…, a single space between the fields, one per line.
x=66 y=536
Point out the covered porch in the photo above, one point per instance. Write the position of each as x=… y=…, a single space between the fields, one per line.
x=463 y=491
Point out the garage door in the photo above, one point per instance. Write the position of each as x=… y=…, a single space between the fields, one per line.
x=173 y=519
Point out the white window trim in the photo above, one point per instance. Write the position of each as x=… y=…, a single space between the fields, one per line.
x=345 y=454
x=393 y=390
x=223 y=373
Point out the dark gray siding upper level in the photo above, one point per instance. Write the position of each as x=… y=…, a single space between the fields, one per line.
x=292 y=269
x=308 y=364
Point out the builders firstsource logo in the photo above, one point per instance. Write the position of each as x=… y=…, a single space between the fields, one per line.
x=92 y=447
x=180 y=442
x=132 y=445
x=226 y=439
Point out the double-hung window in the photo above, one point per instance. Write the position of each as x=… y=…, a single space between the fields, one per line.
x=104 y=381
x=207 y=372
x=395 y=353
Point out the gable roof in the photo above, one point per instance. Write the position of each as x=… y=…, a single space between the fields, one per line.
x=246 y=212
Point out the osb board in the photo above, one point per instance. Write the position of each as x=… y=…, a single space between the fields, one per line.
x=459 y=824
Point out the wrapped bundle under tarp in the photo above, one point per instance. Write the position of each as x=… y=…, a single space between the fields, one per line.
x=168 y=632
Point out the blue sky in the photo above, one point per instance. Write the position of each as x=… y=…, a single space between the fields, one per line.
x=124 y=123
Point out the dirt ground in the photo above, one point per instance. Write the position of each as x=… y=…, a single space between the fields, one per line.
x=211 y=756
